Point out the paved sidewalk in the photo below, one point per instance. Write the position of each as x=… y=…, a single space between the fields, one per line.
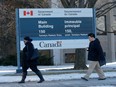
x=110 y=82
x=50 y=73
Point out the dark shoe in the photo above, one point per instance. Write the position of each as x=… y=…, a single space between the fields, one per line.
x=84 y=78
x=41 y=81
x=101 y=78
x=40 y=76
x=23 y=77
x=21 y=82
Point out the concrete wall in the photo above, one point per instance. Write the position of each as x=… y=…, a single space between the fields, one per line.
x=103 y=39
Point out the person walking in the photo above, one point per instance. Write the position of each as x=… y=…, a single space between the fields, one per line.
x=27 y=62
x=95 y=57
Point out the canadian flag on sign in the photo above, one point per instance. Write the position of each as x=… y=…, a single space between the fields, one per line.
x=28 y=13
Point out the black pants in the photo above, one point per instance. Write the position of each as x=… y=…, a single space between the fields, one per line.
x=32 y=64
x=34 y=69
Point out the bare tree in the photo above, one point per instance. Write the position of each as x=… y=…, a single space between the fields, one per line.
x=6 y=36
x=78 y=3
x=7 y=22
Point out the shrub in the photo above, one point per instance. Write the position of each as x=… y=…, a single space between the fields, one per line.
x=12 y=60
x=44 y=60
x=9 y=60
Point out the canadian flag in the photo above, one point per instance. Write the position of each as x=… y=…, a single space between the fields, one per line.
x=28 y=13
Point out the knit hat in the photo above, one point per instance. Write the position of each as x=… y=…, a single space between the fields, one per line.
x=27 y=38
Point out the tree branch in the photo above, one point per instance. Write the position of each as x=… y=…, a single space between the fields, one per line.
x=91 y=3
x=65 y=3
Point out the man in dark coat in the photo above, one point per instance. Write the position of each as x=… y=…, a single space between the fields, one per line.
x=96 y=58
x=27 y=62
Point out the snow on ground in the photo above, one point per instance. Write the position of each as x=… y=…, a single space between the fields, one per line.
x=58 y=67
x=12 y=69
x=53 y=77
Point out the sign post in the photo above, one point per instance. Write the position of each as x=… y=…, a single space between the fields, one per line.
x=18 y=42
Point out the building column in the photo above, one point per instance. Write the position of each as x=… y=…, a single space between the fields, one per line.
x=110 y=37
x=58 y=57
x=111 y=47
x=57 y=53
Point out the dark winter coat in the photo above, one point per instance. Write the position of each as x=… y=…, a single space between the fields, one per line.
x=27 y=54
x=95 y=51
